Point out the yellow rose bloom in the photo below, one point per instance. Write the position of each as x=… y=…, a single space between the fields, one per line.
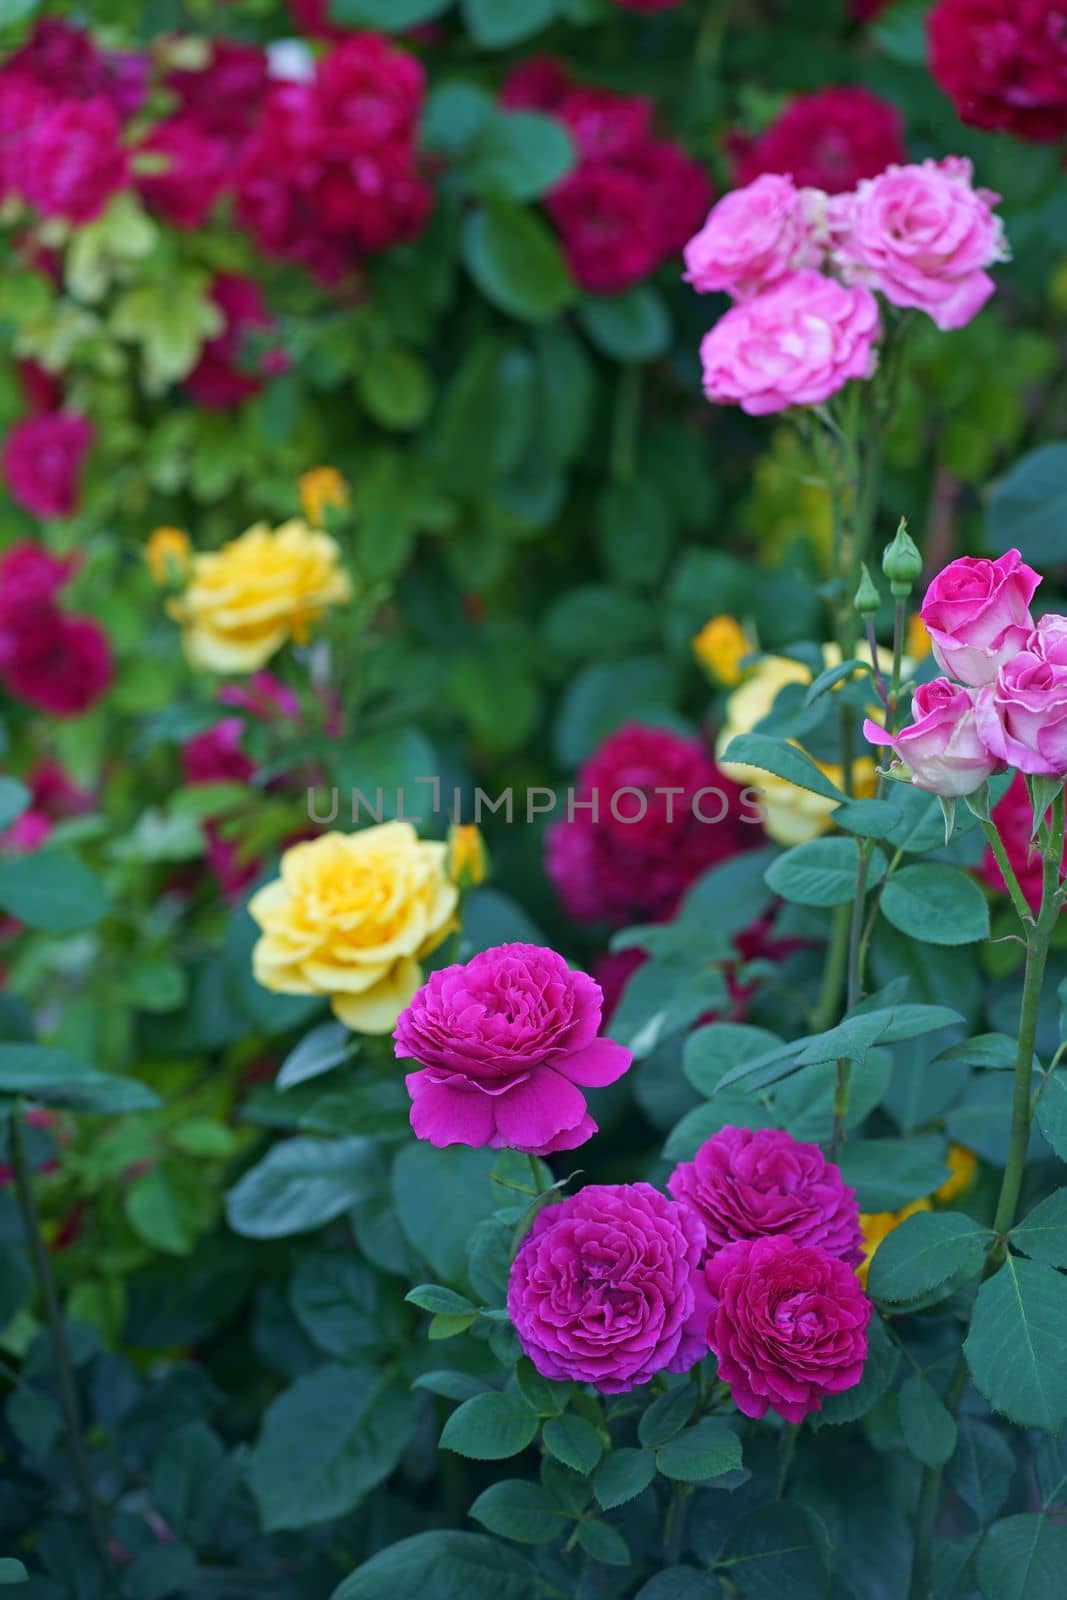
x=721 y=646
x=350 y=916
x=917 y=642
x=467 y=858
x=877 y=1226
x=791 y=815
x=244 y=601
x=963 y=1167
x=166 y=552
x=320 y=488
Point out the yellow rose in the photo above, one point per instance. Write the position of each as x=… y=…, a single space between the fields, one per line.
x=467 y=859
x=244 y=601
x=917 y=641
x=877 y=1226
x=963 y=1166
x=721 y=646
x=791 y=815
x=351 y=916
x=320 y=488
x=167 y=554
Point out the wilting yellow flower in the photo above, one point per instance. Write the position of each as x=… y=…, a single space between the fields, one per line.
x=791 y=815
x=351 y=916
x=963 y=1166
x=467 y=860
x=320 y=488
x=877 y=1226
x=167 y=553
x=244 y=601
x=721 y=646
x=917 y=642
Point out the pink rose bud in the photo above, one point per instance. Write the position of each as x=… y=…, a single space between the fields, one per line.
x=923 y=236
x=977 y=613
x=755 y=236
x=942 y=748
x=1022 y=717
x=795 y=345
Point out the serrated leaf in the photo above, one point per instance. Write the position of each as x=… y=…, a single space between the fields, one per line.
x=666 y=1416
x=491 y=1427
x=696 y=1455
x=520 y=1510
x=622 y=1476
x=444 y=1565
x=783 y=760
x=574 y=1441
x=936 y=904
x=321 y=1050
x=821 y=872
x=601 y=1541
x=1015 y=1348
x=927 y=1252
x=1042 y=1234
x=928 y=1427
x=1023 y=1558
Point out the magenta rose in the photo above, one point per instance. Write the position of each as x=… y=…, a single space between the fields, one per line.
x=42 y=461
x=216 y=756
x=506 y=1044
x=923 y=236
x=73 y=160
x=1022 y=717
x=754 y=237
x=61 y=664
x=788 y=1324
x=794 y=345
x=607 y=1289
x=977 y=613
x=941 y=748
x=745 y=1183
x=1013 y=817
x=828 y=140
x=1003 y=63
x=190 y=168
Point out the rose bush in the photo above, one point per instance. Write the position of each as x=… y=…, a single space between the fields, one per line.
x=529 y=922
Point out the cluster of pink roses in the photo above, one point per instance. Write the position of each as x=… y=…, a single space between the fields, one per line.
x=1008 y=705
x=633 y=199
x=53 y=660
x=802 y=267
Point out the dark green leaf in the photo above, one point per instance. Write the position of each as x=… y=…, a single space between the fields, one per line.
x=1023 y=1558
x=14 y=798
x=51 y=890
x=601 y=1541
x=574 y=1441
x=821 y=872
x=666 y=1416
x=490 y=1427
x=443 y=1566
x=936 y=904
x=707 y=1450
x=929 y=1431
x=927 y=1252
x=982 y=1469
x=517 y=1509
x=776 y=1551
x=890 y=1173
x=784 y=760
x=301 y=1184
x=58 y=1078
x=1026 y=507
x=623 y=1475
x=634 y=326
x=1042 y=1234
x=1016 y=1349
x=516 y=262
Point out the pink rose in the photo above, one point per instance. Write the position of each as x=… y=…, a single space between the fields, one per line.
x=1022 y=717
x=795 y=345
x=42 y=460
x=977 y=613
x=788 y=1324
x=941 y=748
x=923 y=236
x=745 y=1184
x=607 y=1289
x=754 y=237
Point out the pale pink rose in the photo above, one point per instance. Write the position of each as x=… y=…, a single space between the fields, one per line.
x=941 y=748
x=977 y=613
x=795 y=345
x=1022 y=717
x=755 y=236
x=923 y=236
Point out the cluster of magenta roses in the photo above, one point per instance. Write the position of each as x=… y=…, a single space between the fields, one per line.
x=1008 y=705
x=753 y=1257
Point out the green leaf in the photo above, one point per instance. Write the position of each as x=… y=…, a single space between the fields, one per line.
x=1025 y=509
x=517 y=155
x=995 y=1052
x=784 y=760
x=666 y=1416
x=520 y=1510
x=301 y=1184
x=51 y=890
x=936 y=904
x=1042 y=1234
x=325 y=1047
x=890 y=1173
x=490 y=1427
x=982 y=1469
x=193 y=1480
x=441 y=1196
x=574 y=1441
x=1023 y=1558
x=447 y=1324
x=601 y=1541
x=775 y=1551
x=834 y=675
x=1015 y=1348
x=443 y=1566
x=442 y=1302
x=929 y=1430
x=161 y=1571
x=1051 y=1113
x=712 y=1051
x=707 y=1450
x=497 y=24
x=874 y=819
x=680 y=1583
x=622 y=1476
x=325 y=1443
x=516 y=263
x=929 y=1252
x=12 y=1571
x=14 y=798
x=821 y=872
x=396 y=387
x=542 y=1395
x=634 y=326
x=165 y=1207
x=60 y=1079
x=392 y=16
x=343 y=1305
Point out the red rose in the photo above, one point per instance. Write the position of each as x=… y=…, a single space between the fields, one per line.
x=62 y=664
x=215 y=756
x=227 y=94
x=72 y=160
x=606 y=126
x=679 y=187
x=1003 y=63
x=197 y=168
x=829 y=141
x=222 y=378
x=608 y=224
x=370 y=85
x=540 y=83
x=42 y=459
